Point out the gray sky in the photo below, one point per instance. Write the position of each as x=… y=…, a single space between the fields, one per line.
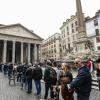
x=45 y=17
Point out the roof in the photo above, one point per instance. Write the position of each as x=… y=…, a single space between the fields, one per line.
x=4 y=29
x=94 y=17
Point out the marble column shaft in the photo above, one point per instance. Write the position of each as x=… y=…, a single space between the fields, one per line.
x=4 y=51
x=38 y=48
x=22 y=52
x=28 y=53
x=13 y=52
x=35 y=52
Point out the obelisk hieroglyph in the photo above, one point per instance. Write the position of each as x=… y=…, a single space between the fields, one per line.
x=80 y=17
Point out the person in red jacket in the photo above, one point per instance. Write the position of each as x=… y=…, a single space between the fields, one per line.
x=66 y=94
x=90 y=64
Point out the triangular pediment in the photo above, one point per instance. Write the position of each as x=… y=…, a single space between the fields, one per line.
x=18 y=30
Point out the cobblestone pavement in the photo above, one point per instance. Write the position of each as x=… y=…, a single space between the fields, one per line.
x=15 y=93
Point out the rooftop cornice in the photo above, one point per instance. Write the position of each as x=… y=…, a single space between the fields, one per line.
x=68 y=21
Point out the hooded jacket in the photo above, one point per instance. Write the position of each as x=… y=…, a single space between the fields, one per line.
x=82 y=83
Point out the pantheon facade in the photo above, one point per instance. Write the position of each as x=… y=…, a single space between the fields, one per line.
x=18 y=44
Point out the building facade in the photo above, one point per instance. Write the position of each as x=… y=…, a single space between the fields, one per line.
x=93 y=31
x=51 y=48
x=18 y=44
x=69 y=31
x=74 y=34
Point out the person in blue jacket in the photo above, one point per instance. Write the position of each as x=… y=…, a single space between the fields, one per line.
x=82 y=82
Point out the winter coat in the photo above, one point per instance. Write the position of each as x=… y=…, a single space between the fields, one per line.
x=47 y=78
x=29 y=73
x=66 y=94
x=82 y=83
x=66 y=79
x=37 y=73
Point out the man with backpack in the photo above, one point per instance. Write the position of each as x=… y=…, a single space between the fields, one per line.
x=50 y=78
x=37 y=76
x=55 y=80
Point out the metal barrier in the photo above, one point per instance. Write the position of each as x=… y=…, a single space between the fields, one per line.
x=11 y=78
x=95 y=84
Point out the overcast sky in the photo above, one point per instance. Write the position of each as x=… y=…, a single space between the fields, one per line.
x=45 y=17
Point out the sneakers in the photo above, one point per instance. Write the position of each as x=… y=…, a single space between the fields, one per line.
x=39 y=95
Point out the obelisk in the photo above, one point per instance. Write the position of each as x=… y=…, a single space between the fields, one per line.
x=80 y=17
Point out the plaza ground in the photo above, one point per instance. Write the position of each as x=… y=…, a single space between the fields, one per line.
x=14 y=92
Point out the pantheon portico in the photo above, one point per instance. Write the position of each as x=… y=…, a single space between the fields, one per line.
x=18 y=44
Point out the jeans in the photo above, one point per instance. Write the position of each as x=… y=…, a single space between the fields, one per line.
x=38 y=86
x=22 y=80
x=29 y=83
x=5 y=71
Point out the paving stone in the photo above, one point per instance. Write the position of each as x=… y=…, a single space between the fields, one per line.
x=14 y=92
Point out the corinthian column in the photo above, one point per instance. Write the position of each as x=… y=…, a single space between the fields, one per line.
x=22 y=52
x=38 y=52
x=35 y=52
x=28 y=53
x=13 y=52
x=4 y=51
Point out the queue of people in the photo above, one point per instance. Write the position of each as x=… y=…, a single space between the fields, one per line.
x=57 y=78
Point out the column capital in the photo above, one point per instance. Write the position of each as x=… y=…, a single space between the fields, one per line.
x=22 y=42
x=5 y=40
x=37 y=45
x=13 y=41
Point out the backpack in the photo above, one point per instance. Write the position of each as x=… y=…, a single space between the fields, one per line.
x=53 y=76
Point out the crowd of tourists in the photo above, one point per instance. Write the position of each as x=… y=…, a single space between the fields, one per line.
x=57 y=78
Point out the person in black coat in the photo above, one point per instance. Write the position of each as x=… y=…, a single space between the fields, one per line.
x=10 y=70
x=5 y=68
x=29 y=79
x=82 y=82
x=37 y=76
x=19 y=71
